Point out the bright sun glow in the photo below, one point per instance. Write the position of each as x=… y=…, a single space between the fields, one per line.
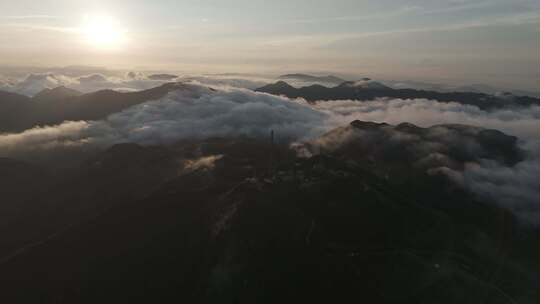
x=103 y=32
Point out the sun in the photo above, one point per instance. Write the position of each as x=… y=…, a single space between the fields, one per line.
x=103 y=32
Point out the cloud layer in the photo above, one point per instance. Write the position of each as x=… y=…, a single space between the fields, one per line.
x=194 y=112
x=35 y=83
x=516 y=188
x=135 y=81
x=200 y=112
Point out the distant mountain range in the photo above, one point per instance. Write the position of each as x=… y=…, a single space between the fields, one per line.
x=369 y=90
x=54 y=106
x=330 y=79
x=58 y=93
x=163 y=77
x=474 y=88
x=408 y=143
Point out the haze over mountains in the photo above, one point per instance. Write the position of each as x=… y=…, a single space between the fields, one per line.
x=87 y=80
x=20 y=113
x=54 y=106
x=239 y=188
x=370 y=90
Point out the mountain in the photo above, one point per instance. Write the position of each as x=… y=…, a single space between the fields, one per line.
x=56 y=94
x=310 y=78
x=12 y=98
x=368 y=90
x=239 y=220
x=474 y=88
x=19 y=113
x=17 y=180
x=365 y=83
x=93 y=78
x=163 y=77
x=13 y=107
x=34 y=83
x=448 y=145
x=6 y=84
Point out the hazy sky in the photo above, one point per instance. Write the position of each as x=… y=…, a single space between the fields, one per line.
x=495 y=41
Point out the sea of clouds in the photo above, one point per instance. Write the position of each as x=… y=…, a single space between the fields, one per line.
x=34 y=83
x=229 y=109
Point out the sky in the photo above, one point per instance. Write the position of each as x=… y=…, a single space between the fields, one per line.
x=496 y=42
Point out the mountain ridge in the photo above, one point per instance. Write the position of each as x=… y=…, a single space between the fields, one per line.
x=349 y=91
x=311 y=78
x=235 y=228
x=19 y=113
x=57 y=93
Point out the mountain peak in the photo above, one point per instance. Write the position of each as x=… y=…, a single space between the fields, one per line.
x=162 y=77
x=57 y=93
x=364 y=83
x=367 y=125
x=276 y=87
x=311 y=78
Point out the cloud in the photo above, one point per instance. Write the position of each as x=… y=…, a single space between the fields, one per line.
x=5 y=83
x=35 y=83
x=44 y=138
x=516 y=188
x=135 y=81
x=24 y=17
x=523 y=123
x=237 y=81
x=204 y=163
x=132 y=81
x=194 y=112
x=250 y=82
x=200 y=112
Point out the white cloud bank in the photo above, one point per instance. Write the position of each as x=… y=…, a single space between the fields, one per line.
x=35 y=83
x=200 y=112
x=517 y=188
x=135 y=81
x=196 y=112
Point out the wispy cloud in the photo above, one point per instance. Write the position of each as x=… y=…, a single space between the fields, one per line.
x=42 y=27
x=24 y=17
x=406 y=10
x=518 y=19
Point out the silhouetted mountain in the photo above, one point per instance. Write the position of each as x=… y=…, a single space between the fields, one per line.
x=12 y=99
x=56 y=94
x=163 y=77
x=474 y=88
x=18 y=113
x=365 y=83
x=93 y=78
x=310 y=78
x=364 y=91
x=450 y=146
x=19 y=179
x=12 y=108
x=237 y=220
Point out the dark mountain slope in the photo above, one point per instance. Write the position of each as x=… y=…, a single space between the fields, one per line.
x=350 y=91
x=232 y=226
x=22 y=114
x=442 y=145
x=165 y=77
x=18 y=180
x=12 y=108
x=310 y=78
x=56 y=94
